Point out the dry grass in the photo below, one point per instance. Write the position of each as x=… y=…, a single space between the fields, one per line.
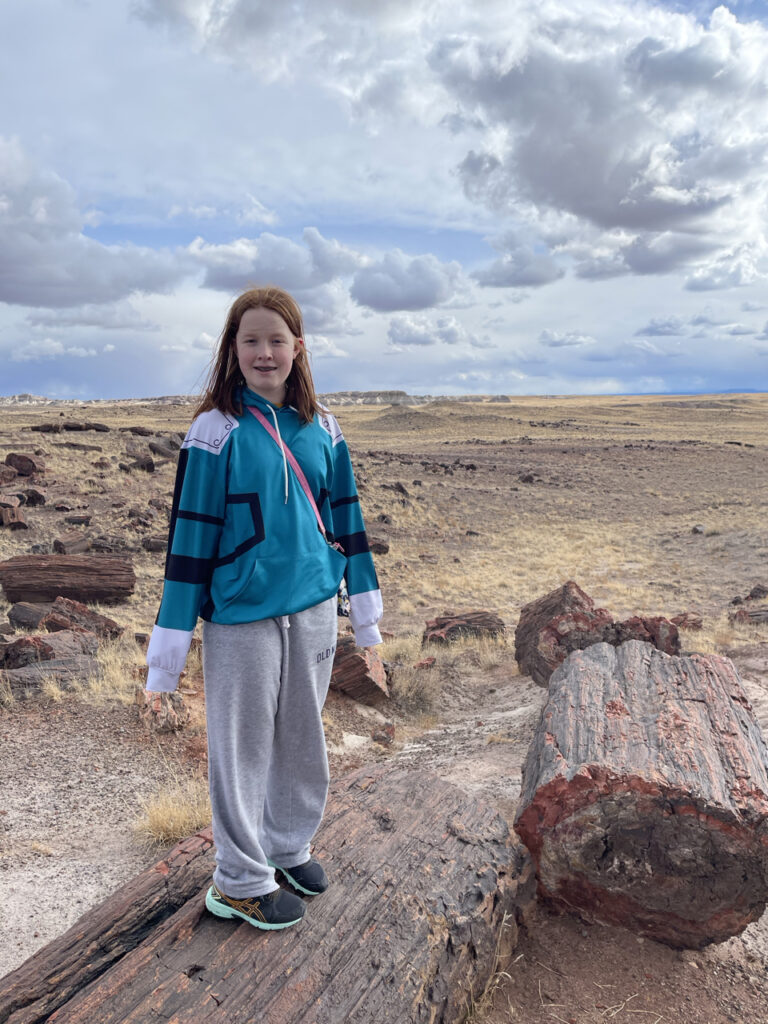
x=402 y=649
x=41 y=848
x=478 y=1009
x=417 y=690
x=720 y=634
x=7 y=698
x=121 y=670
x=51 y=689
x=174 y=811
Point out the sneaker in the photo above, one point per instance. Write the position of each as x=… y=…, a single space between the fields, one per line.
x=308 y=877
x=278 y=909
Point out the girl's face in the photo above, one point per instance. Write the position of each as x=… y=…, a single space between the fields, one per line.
x=265 y=351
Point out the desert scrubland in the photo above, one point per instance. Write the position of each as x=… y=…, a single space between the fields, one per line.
x=484 y=504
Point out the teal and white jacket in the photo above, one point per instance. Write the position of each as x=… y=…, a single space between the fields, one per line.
x=244 y=543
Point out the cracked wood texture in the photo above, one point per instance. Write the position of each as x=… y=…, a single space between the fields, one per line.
x=644 y=799
x=426 y=882
x=81 y=577
x=54 y=974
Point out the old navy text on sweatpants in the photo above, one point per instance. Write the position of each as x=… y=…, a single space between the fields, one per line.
x=265 y=686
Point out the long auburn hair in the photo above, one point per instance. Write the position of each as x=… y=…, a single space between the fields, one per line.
x=225 y=376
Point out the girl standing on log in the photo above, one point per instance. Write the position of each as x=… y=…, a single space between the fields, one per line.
x=265 y=526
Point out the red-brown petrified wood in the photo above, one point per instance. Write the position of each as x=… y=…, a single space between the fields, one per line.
x=359 y=673
x=81 y=577
x=454 y=625
x=567 y=620
x=425 y=880
x=645 y=795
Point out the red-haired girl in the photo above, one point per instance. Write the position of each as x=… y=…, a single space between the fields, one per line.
x=265 y=526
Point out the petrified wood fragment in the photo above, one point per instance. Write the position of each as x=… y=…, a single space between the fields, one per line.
x=13 y=518
x=29 y=680
x=81 y=577
x=27 y=614
x=645 y=795
x=24 y=463
x=68 y=614
x=454 y=625
x=422 y=877
x=72 y=542
x=29 y=650
x=750 y=616
x=567 y=620
x=359 y=672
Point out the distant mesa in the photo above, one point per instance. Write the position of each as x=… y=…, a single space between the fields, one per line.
x=373 y=398
x=334 y=398
x=25 y=400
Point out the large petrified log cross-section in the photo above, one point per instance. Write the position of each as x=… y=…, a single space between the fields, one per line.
x=425 y=880
x=645 y=794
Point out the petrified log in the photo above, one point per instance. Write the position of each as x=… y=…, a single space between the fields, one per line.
x=78 y=446
x=143 y=462
x=7 y=474
x=68 y=614
x=567 y=620
x=67 y=672
x=29 y=650
x=54 y=974
x=25 y=464
x=47 y=428
x=688 y=620
x=81 y=577
x=453 y=625
x=645 y=795
x=9 y=501
x=750 y=616
x=34 y=496
x=74 y=425
x=138 y=430
x=154 y=543
x=657 y=630
x=163 y=449
x=358 y=672
x=13 y=518
x=73 y=542
x=420 y=889
x=27 y=615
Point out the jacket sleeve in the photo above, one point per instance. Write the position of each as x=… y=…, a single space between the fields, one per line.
x=197 y=517
x=365 y=605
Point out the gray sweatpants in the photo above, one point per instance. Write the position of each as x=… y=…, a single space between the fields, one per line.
x=265 y=685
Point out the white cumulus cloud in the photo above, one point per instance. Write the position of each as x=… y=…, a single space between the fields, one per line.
x=398 y=281
x=46 y=260
x=408 y=329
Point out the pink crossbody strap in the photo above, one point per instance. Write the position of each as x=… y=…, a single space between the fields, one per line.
x=293 y=463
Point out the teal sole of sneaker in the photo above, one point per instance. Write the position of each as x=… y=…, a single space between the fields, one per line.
x=218 y=910
x=289 y=877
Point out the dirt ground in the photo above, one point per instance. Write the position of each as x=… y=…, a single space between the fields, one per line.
x=484 y=504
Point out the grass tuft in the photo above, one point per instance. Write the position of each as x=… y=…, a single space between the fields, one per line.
x=121 y=670
x=174 y=811
x=51 y=689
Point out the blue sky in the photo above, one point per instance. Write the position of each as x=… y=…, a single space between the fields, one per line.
x=566 y=196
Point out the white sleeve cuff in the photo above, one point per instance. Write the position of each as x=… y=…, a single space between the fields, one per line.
x=367 y=636
x=166 y=655
x=160 y=681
